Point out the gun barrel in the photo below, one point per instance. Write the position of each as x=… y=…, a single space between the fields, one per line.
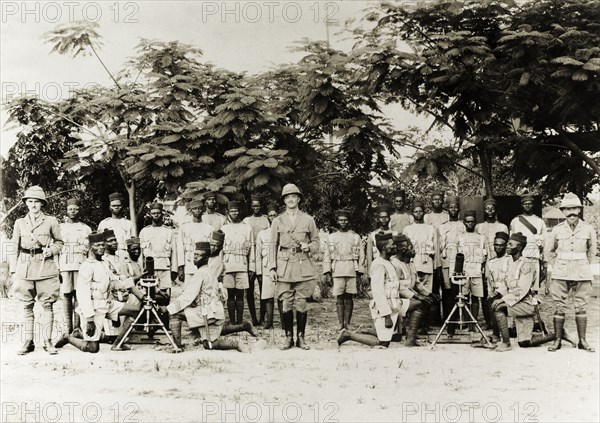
x=150 y=265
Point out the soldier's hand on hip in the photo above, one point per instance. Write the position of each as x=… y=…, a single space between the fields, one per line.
x=47 y=253
x=304 y=247
x=90 y=329
x=274 y=275
x=388 y=321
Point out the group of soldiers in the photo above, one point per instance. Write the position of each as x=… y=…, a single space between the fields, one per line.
x=409 y=261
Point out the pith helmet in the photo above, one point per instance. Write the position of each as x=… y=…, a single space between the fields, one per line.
x=36 y=192
x=570 y=200
x=290 y=189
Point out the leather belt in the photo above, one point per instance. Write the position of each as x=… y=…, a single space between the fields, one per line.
x=32 y=250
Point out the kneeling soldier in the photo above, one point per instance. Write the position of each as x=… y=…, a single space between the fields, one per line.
x=199 y=305
x=94 y=285
x=386 y=305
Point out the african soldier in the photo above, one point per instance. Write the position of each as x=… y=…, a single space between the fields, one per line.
x=114 y=258
x=383 y=221
x=189 y=234
x=36 y=240
x=95 y=283
x=496 y=271
x=238 y=260
x=387 y=305
x=343 y=264
x=259 y=222
x=211 y=216
x=400 y=218
x=534 y=228
x=267 y=293
x=74 y=252
x=422 y=236
x=199 y=306
x=472 y=245
x=449 y=233
x=160 y=242
x=294 y=237
x=121 y=226
x=573 y=242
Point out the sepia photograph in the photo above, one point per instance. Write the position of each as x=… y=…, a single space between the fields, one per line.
x=300 y=211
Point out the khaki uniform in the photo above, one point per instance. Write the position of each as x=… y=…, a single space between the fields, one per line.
x=422 y=236
x=160 y=242
x=73 y=253
x=238 y=255
x=295 y=268
x=488 y=230
x=36 y=276
x=372 y=252
x=123 y=229
x=95 y=284
x=516 y=293
x=574 y=251
x=343 y=257
x=258 y=224
x=496 y=270
x=262 y=264
x=449 y=234
x=436 y=220
x=216 y=220
x=472 y=245
x=189 y=234
x=398 y=221
x=200 y=297
x=386 y=298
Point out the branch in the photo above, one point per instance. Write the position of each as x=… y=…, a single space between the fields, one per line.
x=104 y=66
x=578 y=151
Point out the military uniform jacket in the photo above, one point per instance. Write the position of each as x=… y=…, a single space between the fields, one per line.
x=258 y=224
x=520 y=278
x=496 y=270
x=535 y=241
x=488 y=230
x=422 y=236
x=384 y=288
x=215 y=264
x=238 y=248
x=160 y=242
x=405 y=283
x=449 y=233
x=32 y=235
x=343 y=254
x=436 y=220
x=95 y=282
x=189 y=234
x=262 y=251
x=472 y=245
x=200 y=297
x=292 y=264
x=372 y=251
x=216 y=220
x=574 y=251
x=122 y=227
x=398 y=221
x=76 y=245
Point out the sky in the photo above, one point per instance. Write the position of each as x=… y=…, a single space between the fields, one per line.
x=250 y=36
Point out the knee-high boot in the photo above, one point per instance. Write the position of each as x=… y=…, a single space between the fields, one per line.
x=251 y=304
x=581 y=322
x=346 y=335
x=288 y=327
x=559 y=323
x=28 y=346
x=239 y=306
x=413 y=326
x=301 y=318
x=474 y=307
x=269 y=305
x=280 y=308
x=239 y=327
x=47 y=326
x=537 y=340
x=503 y=329
x=67 y=302
x=231 y=306
x=348 y=309
x=339 y=305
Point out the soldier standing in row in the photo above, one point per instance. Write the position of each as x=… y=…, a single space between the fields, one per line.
x=160 y=242
x=267 y=293
x=37 y=240
x=422 y=236
x=189 y=234
x=294 y=237
x=449 y=234
x=383 y=220
x=259 y=222
x=212 y=216
x=74 y=252
x=400 y=218
x=121 y=226
x=238 y=260
x=343 y=265
x=573 y=242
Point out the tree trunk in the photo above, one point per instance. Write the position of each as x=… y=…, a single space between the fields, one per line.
x=578 y=151
x=486 y=169
x=130 y=186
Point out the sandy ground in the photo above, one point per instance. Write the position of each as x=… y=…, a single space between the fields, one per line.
x=453 y=383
